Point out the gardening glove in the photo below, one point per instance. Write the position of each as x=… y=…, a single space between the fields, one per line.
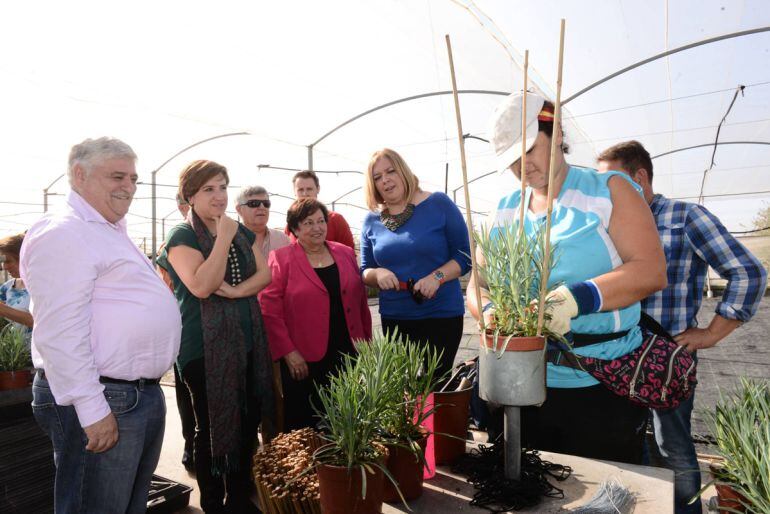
x=562 y=307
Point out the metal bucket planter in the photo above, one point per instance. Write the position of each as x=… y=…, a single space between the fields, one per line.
x=515 y=375
x=512 y=374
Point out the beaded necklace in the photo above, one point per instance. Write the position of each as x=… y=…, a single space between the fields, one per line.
x=235 y=267
x=393 y=221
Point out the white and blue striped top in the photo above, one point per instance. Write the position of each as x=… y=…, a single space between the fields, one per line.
x=583 y=250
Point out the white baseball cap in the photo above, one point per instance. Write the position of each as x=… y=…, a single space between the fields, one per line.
x=505 y=127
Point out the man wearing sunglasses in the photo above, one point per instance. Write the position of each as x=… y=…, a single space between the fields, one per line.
x=253 y=206
x=306 y=185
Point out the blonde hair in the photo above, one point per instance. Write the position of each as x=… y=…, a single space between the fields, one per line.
x=374 y=200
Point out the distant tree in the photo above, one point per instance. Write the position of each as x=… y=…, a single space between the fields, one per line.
x=762 y=221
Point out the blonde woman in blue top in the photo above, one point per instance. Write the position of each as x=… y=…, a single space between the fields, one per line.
x=608 y=258
x=414 y=247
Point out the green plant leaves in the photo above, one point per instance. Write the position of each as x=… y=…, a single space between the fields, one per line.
x=14 y=352
x=514 y=265
x=740 y=422
x=378 y=396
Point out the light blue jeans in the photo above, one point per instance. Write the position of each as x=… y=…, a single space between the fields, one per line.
x=672 y=435
x=116 y=481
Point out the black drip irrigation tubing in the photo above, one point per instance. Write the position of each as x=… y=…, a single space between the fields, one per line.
x=485 y=470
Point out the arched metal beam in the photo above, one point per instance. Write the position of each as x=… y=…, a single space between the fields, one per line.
x=704 y=145
x=154 y=185
x=664 y=54
x=402 y=100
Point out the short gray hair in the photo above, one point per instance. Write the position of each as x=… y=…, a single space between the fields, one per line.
x=251 y=191
x=94 y=151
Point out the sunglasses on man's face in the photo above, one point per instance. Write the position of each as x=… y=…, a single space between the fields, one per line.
x=257 y=203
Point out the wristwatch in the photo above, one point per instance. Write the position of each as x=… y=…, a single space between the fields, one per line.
x=439 y=275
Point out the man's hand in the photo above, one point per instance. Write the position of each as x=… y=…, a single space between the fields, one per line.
x=102 y=435
x=696 y=339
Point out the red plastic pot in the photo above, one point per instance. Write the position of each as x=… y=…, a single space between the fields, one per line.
x=406 y=468
x=14 y=379
x=727 y=497
x=341 y=490
x=450 y=417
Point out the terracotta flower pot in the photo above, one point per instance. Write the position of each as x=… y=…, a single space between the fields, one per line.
x=406 y=468
x=14 y=379
x=515 y=378
x=450 y=417
x=727 y=497
x=340 y=489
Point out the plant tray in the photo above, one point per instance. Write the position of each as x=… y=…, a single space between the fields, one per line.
x=167 y=496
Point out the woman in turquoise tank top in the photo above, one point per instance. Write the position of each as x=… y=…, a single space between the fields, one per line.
x=609 y=257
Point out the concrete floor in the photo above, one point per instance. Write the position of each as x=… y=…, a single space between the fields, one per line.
x=743 y=353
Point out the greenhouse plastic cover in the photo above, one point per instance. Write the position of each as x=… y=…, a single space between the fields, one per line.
x=165 y=75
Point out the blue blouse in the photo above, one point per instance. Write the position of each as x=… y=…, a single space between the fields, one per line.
x=18 y=298
x=434 y=234
x=583 y=250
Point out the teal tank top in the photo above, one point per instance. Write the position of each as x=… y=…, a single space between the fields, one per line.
x=583 y=250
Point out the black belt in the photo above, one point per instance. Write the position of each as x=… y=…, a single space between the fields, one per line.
x=579 y=340
x=109 y=380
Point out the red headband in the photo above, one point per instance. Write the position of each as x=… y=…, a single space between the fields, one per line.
x=546 y=114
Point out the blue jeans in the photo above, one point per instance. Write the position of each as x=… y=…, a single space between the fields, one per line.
x=672 y=435
x=116 y=481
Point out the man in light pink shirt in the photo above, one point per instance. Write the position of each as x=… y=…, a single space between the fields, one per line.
x=106 y=329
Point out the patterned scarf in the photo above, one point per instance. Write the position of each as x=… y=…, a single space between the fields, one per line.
x=224 y=358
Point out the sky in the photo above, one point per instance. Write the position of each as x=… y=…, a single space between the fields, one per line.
x=165 y=75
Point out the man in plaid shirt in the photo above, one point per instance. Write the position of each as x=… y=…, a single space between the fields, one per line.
x=693 y=239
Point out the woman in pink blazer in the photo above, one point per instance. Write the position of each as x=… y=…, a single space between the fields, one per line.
x=314 y=309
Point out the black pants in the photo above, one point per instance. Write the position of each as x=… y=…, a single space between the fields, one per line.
x=299 y=396
x=184 y=404
x=589 y=422
x=237 y=484
x=441 y=334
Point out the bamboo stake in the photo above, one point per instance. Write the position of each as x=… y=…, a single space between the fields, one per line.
x=547 y=253
x=523 y=173
x=469 y=220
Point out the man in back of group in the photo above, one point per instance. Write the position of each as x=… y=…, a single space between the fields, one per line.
x=306 y=185
x=183 y=400
x=253 y=206
x=106 y=329
x=693 y=239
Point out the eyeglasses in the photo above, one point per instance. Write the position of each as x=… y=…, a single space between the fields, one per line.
x=257 y=203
